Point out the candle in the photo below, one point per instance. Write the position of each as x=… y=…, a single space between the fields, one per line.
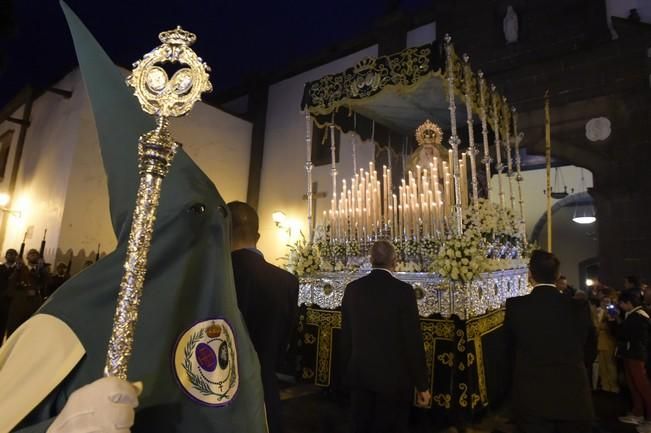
x=389 y=182
x=423 y=212
x=462 y=181
x=394 y=218
x=385 y=202
x=407 y=220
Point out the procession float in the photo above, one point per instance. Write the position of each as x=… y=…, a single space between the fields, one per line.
x=461 y=245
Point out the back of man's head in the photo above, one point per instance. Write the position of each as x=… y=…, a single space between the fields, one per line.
x=632 y=297
x=244 y=223
x=383 y=255
x=544 y=267
x=633 y=281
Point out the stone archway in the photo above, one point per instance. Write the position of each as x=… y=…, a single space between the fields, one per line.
x=578 y=199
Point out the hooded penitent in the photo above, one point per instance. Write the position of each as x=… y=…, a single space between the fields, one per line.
x=191 y=349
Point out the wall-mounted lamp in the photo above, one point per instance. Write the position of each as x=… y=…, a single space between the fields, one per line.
x=279 y=218
x=589 y=282
x=283 y=223
x=4 y=201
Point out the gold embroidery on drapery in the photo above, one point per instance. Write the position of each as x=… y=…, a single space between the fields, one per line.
x=434 y=330
x=474 y=399
x=463 y=398
x=325 y=321
x=443 y=400
x=446 y=358
x=368 y=77
x=477 y=328
x=461 y=344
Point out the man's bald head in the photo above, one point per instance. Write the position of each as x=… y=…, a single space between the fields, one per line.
x=244 y=225
x=383 y=255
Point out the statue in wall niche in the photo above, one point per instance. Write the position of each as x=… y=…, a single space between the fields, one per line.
x=510 y=25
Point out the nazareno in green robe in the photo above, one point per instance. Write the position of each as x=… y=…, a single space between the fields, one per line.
x=189 y=275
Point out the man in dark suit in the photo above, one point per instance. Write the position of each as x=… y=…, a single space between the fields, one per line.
x=268 y=299
x=26 y=287
x=551 y=337
x=6 y=270
x=383 y=347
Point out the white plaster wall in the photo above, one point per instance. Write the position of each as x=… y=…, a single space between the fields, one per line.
x=61 y=183
x=86 y=221
x=283 y=180
x=13 y=223
x=533 y=186
x=220 y=144
x=425 y=34
x=571 y=242
x=42 y=182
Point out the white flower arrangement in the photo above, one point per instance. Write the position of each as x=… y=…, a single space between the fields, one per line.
x=338 y=266
x=493 y=265
x=461 y=257
x=303 y=258
x=491 y=220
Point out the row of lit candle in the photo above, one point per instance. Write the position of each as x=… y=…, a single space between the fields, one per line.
x=421 y=206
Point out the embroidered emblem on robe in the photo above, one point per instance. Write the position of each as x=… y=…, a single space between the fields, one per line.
x=205 y=362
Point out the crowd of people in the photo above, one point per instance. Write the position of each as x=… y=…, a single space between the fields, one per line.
x=622 y=321
x=563 y=343
x=24 y=285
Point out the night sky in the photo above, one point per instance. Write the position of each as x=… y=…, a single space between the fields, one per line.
x=237 y=38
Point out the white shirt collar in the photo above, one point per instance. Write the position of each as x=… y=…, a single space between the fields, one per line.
x=637 y=310
x=384 y=269
x=545 y=284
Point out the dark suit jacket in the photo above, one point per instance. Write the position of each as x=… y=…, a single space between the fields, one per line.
x=382 y=341
x=551 y=338
x=5 y=272
x=268 y=299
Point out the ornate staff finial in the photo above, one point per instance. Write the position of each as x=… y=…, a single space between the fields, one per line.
x=162 y=97
x=170 y=97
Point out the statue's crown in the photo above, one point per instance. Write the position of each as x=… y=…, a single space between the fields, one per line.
x=429 y=133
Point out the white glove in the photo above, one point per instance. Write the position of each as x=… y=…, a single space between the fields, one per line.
x=104 y=406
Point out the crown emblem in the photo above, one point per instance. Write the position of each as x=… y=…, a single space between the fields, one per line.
x=178 y=36
x=214 y=330
x=429 y=134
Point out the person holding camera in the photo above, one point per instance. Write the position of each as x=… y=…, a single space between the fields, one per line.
x=632 y=346
x=606 y=345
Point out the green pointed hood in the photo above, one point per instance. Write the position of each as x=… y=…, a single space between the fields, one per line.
x=189 y=273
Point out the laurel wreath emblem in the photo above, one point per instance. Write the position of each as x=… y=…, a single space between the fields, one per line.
x=197 y=380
